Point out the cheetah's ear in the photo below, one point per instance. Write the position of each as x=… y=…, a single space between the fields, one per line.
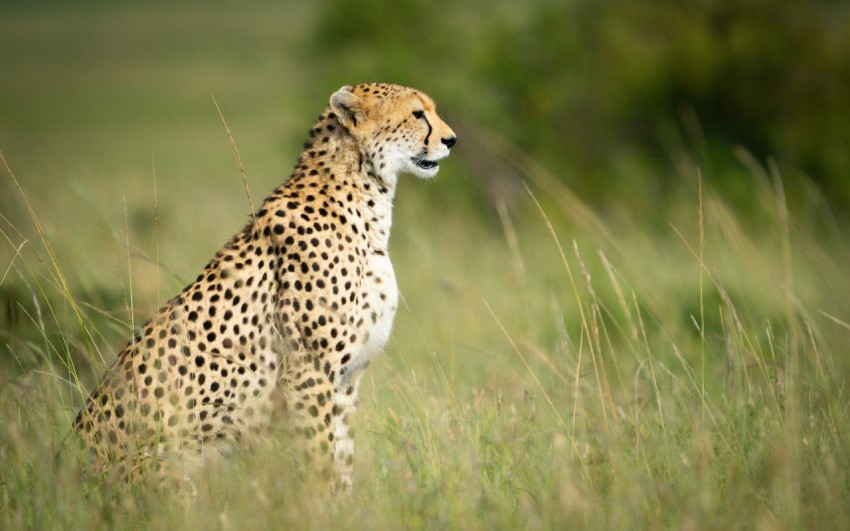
x=347 y=107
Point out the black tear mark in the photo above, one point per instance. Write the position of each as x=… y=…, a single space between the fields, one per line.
x=429 y=130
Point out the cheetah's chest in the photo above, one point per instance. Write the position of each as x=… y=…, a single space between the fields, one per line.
x=378 y=307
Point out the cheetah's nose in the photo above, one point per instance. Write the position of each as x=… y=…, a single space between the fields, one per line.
x=449 y=141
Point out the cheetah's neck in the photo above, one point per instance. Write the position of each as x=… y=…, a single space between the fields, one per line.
x=334 y=166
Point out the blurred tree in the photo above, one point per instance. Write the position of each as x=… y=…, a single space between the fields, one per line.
x=590 y=87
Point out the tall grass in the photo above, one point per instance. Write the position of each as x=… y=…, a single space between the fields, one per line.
x=552 y=368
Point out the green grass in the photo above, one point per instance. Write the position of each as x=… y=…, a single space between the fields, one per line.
x=562 y=369
x=553 y=364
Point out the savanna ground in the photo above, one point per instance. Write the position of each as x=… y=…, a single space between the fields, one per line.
x=680 y=363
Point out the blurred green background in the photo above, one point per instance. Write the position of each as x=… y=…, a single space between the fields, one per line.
x=660 y=344
x=604 y=94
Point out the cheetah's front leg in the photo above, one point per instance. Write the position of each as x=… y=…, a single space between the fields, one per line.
x=345 y=404
x=311 y=403
x=323 y=413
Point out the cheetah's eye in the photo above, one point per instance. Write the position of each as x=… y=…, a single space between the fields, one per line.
x=418 y=114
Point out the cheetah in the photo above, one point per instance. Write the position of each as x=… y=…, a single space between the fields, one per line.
x=288 y=314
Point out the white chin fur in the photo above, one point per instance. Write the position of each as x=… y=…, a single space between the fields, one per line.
x=424 y=173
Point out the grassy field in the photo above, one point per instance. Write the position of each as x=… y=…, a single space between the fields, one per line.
x=553 y=364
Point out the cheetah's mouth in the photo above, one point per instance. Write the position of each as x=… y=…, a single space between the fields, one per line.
x=425 y=164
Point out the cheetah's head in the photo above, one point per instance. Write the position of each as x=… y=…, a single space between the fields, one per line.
x=396 y=127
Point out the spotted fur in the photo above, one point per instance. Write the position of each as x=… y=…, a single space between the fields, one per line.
x=289 y=312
